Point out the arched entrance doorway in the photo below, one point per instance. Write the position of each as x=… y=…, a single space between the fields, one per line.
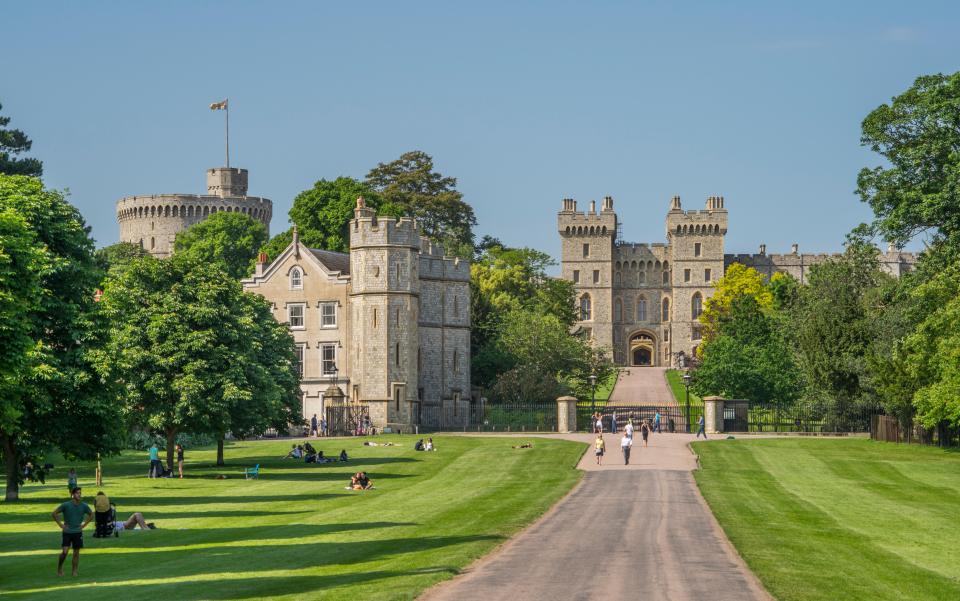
x=642 y=350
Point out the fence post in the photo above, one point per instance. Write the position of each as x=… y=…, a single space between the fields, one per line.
x=713 y=414
x=566 y=414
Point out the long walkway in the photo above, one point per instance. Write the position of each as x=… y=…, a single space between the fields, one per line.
x=641 y=386
x=625 y=532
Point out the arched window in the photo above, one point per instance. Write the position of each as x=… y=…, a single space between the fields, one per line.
x=696 y=306
x=585 y=309
x=642 y=278
x=618 y=311
x=642 y=308
x=666 y=277
x=296 y=279
x=665 y=311
x=616 y=279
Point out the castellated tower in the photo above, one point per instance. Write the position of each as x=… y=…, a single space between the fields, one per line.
x=385 y=288
x=586 y=259
x=153 y=221
x=696 y=247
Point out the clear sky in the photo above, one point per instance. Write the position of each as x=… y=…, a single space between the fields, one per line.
x=524 y=103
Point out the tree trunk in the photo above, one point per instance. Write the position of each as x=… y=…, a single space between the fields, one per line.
x=12 y=467
x=220 y=451
x=171 y=442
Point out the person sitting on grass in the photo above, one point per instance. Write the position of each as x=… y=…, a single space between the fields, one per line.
x=309 y=448
x=418 y=446
x=360 y=481
x=135 y=519
x=526 y=445
x=343 y=455
x=429 y=446
x=296 y=452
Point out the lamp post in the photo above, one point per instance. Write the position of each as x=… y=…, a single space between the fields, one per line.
x=593 y=394
x=686 y=384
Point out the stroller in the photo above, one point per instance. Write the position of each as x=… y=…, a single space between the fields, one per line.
x=160 y=471
x=105 y=515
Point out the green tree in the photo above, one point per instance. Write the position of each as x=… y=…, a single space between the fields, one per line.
x=738 y=281
x=411 y=186
x=118 y=256
x=53 y=400
x=322 y=214
x=14 y=142
x=231 y=239
x=918 y=133
x=190 y=348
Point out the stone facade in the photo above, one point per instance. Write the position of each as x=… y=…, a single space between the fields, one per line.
x=642 y=300
x=389 y=322
x=153 y=221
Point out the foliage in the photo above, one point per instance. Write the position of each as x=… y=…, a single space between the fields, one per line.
x=141 y=440
x=411 y=186
x=679 y=390
x=51 y=395
x=322 y=214
x=14 y=142
x=118 y=256
x=279 y=243
x=194 y=352
x=918 y=133
x=748 y=358
x=737 y=282
x=231 y=239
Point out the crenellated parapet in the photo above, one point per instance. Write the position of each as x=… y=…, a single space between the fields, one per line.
x=798 y=265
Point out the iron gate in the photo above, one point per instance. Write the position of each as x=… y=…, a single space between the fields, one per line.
x=347 y=420
x=673 y=418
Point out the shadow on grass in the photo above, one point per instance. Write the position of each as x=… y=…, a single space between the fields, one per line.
x=243 y=588
x=141 y=502
x=151 y=515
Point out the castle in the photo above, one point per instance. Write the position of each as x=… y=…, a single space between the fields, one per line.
x=643 y=300
x=389 y=322
x=153 y=221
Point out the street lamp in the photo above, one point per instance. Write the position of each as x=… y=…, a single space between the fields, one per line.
x=593 y=393
x=686 y=384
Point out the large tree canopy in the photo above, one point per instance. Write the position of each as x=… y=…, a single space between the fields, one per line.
x=231 y=239
x=919 y=134
x=51 y=395
x=14 y=142
x=738 y=281
x=410 y=185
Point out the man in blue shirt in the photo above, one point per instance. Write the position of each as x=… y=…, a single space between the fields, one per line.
x=73 y=512
x=156 y=468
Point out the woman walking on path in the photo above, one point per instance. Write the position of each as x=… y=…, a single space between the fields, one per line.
x=180 y=459
x=599 y=444
x=644 y=431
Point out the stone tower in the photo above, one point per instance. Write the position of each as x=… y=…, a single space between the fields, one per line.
x=384 y=257
x=586 y=248
x=153 y=221
x=695 y=239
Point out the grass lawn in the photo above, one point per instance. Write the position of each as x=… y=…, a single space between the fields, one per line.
x=839 y=519
x=295 y=533
x=675 y=380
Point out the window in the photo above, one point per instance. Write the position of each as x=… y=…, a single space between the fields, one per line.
x=666 y=277
x=295 y=315
x=642 y=309
x=618 y=311
x=686 y=275
x=696 y=306
x=398 y=272
x=396 y=354
x=666 y=335
x=585 y=313
x=588 y=333
x=456 y=307
x=586 y=250
x=706 y=275
x=296 y=279
x=666 y=310
x=328 y=315
x=374 y=317
x=616 y=279
x=576 y=276
x=328 y=359
x=696 y=335
x=596 y=276
x=696 y=249
x=298 y=360
x=456 y=361
x=643 y=277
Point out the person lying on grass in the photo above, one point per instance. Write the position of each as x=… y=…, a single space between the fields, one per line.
x=360 y=481
x=135 y=519
x=526 y=445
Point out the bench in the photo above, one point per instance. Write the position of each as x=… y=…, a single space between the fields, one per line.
x=252 y=472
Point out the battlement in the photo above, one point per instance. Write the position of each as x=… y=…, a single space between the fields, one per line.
x=385 y=231
x=227 y=181
x=444 y=268
x=571 y=222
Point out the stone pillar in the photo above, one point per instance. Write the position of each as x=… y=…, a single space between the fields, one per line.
x=712 y=415
x=566 y=414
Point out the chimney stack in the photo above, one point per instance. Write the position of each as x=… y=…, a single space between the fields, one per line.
x=795 y=248
x=262 y=260
x=763 y=249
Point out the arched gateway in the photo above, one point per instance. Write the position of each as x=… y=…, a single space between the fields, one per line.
x=643 y=347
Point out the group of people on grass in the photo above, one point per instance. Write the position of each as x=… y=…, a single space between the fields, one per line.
x=646 y=427
x=309 y=454
x=157 y=470
x=421 y=446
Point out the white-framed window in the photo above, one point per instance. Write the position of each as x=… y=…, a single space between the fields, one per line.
x=296 y=279
x=298 y=359
x=328 y=315
x=328 y=359
x=295 y=315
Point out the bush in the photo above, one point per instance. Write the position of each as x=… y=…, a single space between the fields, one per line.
x=140 y=440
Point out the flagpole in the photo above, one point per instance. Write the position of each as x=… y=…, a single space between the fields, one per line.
x=227 y=110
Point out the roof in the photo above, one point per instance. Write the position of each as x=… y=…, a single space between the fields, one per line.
x=333 y=261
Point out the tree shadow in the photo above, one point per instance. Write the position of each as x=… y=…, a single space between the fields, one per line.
x=140 y=502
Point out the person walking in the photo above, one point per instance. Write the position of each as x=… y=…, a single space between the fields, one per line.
x=71 y=480
x=700 y=428
x=600 y=448
x=656 y=422
x=599 y=425
x=323 y=426
x=180 y=459
x=155 y=470
x=613 y=423
x=73 y=512
x=625 y=445
x=313 y=426
x=644 y=431
x=628 y=429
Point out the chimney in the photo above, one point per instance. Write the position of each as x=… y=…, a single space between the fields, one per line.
x=763 y=249
x=795 y=248
x=593 y=207
x=675 y=203
x=607 y=203
x=262 y=260
x=296 y=242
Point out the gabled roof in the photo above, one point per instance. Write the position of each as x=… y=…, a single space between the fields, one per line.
x=333 y=261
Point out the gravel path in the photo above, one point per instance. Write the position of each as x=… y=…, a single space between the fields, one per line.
x=642 y=386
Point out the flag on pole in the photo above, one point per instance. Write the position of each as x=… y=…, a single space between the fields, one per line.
x=219 y=106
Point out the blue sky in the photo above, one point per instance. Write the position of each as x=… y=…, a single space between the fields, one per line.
x=524 y=103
